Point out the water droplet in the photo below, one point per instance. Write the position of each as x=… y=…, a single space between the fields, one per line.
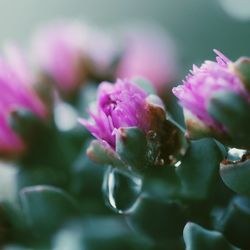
x=121 y=189
x=152 y=135
x=159 y=161
x=235 y=154
x=177 y=164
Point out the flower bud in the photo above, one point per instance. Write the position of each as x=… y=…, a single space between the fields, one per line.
x=216 y=102
x=120 y=105
x=126 y=116
x=150 y=54
x=15 y=84
x=102 y=51
x=58 y=50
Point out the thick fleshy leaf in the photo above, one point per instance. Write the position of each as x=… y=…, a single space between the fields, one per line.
x=232 y=111
x=162 y=183
x=51 y=148
x=198 y=238
x=242 y=68
x=131 y=146
x=46 y=208
x=41 y=175
x=106 y=233
x=25 y=247
x=9 y=196
x=236 y=176
x=198 y=169
x=25 y=123
x=8 y=182
x=235 y=222
x=103 y=154
x=86 y=184
x=157 y=219
x=16 y=247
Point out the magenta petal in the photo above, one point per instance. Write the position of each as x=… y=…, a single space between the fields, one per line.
x=17 y=92
x=200 y=85
x=58 y=50
x=122 y=104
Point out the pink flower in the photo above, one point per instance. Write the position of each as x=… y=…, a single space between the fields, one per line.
x=200 y=86
x=102 y=50
x=122 y=104
x=16 y=93
x=151 y=55
x=59 y=52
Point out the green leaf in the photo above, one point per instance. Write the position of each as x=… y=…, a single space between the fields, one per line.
x=236 y=176
x=235 y=222
x=242 y=68
x=198 y=169
x=16 y=247
x=232 y=110
x=49 y=147
x=157 y=219
x=9 y=195
x=131 y=146
x=198 y=238
x=24 y=122
x=8 y=182
x=106 y=233
x=86 y=184
x=46 y=208
x=103 y=154
x=162 y=183
x=40 y=175
x=20 y=247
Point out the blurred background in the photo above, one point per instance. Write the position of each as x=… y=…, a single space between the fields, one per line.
x=197 y=26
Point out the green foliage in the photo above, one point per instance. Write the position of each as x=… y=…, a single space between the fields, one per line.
x=157 y=219
x=232 y=111
x=158 y=184
x=235 y=222
x=46 y=208
x=131 y=146
x=199 y=168
x=242 y=68
x=236 y=176
x=197 y=238
x=103 y=154
x=108 y=233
